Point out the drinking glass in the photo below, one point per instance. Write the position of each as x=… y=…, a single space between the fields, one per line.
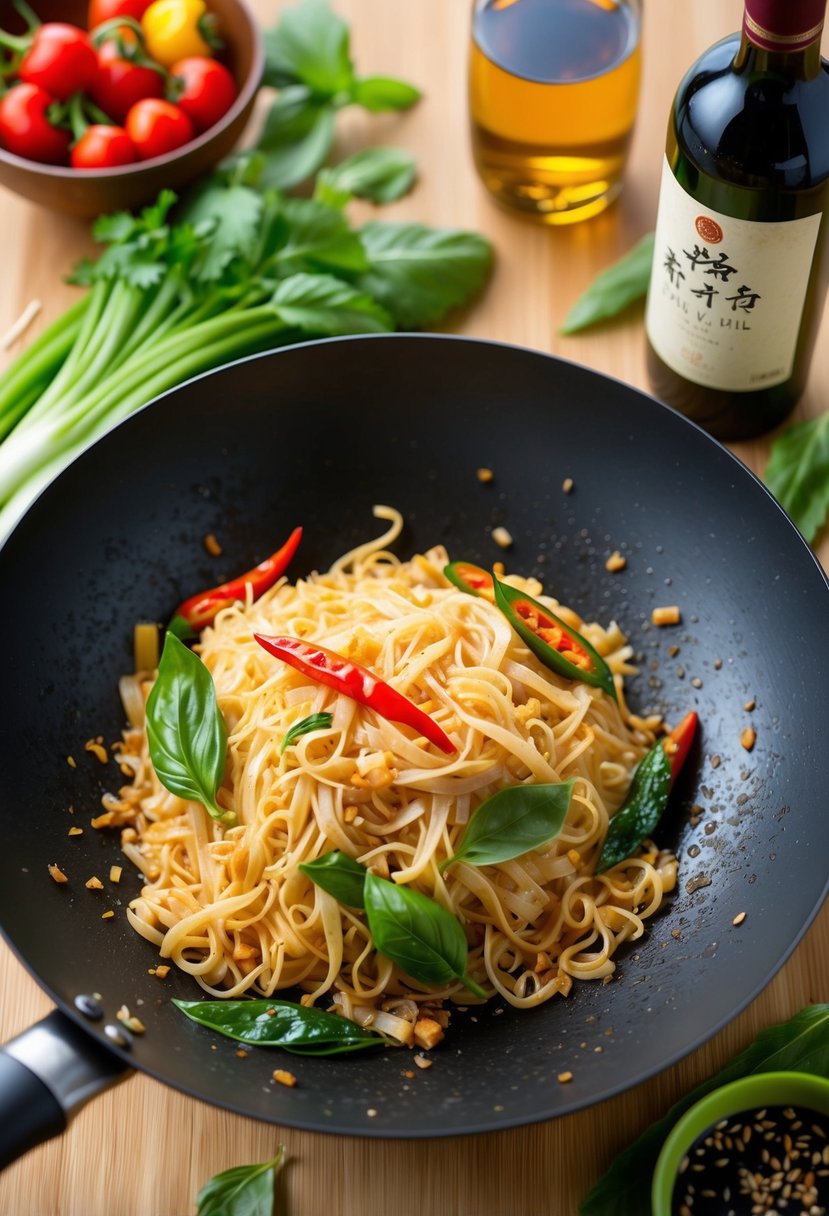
x=553 y=89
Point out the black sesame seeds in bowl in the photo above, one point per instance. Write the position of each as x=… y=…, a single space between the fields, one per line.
x=759 y=1145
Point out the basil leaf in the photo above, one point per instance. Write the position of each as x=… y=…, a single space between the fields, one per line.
x=263 y=1023
x=318 y=236
x=185 y=729
x=799 y=1045
x=378 y=174
x=319 y=304
x=245 y=1190
x=296 y=138
x=614 y=289
x=311 y=45
x=512 y=822
x=339 y=875
x=419 y=273
x=416 y=933
x=642 y=809
x=379 y=93
x=320 y=721
x=798 y=473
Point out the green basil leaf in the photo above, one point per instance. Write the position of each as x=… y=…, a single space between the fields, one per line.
x=798 y=473
x=378 y=174
x=310 y=45
x=379 y=93
x=339 y=875
x=320 y=721
x=245 y=1190
x=420 y=273
x=416 y=933
x=799 y=1045
x=318 y=237
x=320 y=305
x=185 y=729
x=642 y=809
x=614 y=289
x=296 y=138
x=264 y=1023
x=512 y=822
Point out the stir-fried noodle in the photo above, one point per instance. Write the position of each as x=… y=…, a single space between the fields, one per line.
x=230 y=905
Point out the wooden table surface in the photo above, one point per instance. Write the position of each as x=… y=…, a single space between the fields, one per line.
x=144 y=1150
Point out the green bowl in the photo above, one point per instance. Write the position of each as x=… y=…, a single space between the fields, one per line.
x=761 y=1089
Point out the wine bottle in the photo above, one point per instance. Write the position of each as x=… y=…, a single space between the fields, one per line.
x=740 y=260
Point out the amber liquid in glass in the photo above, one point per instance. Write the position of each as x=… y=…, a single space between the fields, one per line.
x=553 y=87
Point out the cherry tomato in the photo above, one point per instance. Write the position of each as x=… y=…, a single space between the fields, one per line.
x=120 y=82
x=104 y=10
x=61 y=60
x=25 y=128
x=156 y=126
x=102 y=147
x=203 y=88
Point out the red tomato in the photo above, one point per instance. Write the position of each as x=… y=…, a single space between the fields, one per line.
x=203 y=88
x=120 y=83
x=156 y=126
x=61 y=60
x=104 y=10
x=102 y=147
x=25 y=128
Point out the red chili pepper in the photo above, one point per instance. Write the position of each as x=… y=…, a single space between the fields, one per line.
x=352 y=680
x=192 y=615
x=471 y=579
x=677 y=744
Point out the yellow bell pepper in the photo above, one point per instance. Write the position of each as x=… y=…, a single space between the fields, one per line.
x=176 y=29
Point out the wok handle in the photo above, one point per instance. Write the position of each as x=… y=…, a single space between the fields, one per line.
x=47 y=1074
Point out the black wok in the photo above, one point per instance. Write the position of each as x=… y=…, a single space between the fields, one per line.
x=315 y=435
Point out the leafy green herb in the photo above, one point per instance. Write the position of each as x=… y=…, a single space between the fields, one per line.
x=512 y=822
x=378 y=174
x=798 y=473
x=320 y=721
x=339 y=875
x=614 y=289
x=263 y=1023
x=416 y=933
x=308 y=59
x=321 y=305
x=799 y=1045
x=640 y=814
x=420 y=273
x=245 y=1190
x=185 y=729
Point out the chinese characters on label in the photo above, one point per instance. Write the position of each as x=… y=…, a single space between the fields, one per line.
x=716 y=274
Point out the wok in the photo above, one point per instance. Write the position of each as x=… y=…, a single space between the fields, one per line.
x=316 y=434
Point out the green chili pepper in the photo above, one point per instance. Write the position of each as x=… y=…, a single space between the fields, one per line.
x=558 y=646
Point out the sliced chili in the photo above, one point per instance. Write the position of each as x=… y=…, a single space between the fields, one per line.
x=471 y=579
x=648 y=794
x=200 y=610
x=352 y=680
x=558 y=646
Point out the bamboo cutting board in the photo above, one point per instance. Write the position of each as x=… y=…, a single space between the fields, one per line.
x=143 y=1150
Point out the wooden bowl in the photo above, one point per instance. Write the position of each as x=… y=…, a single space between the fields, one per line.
x=92 y=192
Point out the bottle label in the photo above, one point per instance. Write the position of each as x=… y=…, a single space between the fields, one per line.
x=726 y=295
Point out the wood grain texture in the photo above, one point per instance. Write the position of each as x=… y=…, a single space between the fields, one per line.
x=143 y=1150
